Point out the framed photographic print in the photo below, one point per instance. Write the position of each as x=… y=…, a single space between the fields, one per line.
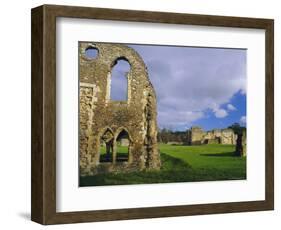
x=139 y=114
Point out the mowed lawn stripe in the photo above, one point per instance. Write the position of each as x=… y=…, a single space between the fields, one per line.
x=206 y=156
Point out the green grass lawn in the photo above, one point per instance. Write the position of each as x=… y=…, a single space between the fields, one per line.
x=180 y=164
x=122 y=154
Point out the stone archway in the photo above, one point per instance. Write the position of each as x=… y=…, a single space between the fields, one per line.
x=122 y=145
x=106 y=146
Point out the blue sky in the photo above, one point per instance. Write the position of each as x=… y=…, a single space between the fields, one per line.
x=195 y=86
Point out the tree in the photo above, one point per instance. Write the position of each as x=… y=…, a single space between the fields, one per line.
x=237 y=128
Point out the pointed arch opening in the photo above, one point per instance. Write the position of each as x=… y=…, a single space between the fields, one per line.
x=106 y=146
x=122 y=146
x=119 y=80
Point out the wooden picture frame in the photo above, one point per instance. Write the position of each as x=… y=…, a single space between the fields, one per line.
x=43 y=208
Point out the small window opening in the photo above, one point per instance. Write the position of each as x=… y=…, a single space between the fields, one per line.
x=91 y=52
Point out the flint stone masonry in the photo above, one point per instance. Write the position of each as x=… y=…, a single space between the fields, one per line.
x=102 y=120
x=197 y=136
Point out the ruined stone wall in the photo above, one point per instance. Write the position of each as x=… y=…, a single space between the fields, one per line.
x=216 y=136
x=197 y=134
x=124 y=142
x=98 y=113
x=228 y=137
x=221 y=136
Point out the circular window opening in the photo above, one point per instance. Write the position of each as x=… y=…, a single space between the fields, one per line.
x=91 y=52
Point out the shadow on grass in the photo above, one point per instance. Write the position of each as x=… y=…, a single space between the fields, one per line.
x=227 y=154
x=180 y=145
x=120 y=157
x=172 y=170
x=173 y=163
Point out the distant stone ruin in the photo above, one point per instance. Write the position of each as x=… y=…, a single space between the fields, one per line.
x=105 y=123
x=197 y=136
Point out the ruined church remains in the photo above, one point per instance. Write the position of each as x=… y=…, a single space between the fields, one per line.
x=197 y=136
x=105 y=123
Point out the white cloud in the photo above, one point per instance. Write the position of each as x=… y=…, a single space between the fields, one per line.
x=220 y=113
x=176 y=119
x=190 y=81
x=230 y=107
x=243 y=120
